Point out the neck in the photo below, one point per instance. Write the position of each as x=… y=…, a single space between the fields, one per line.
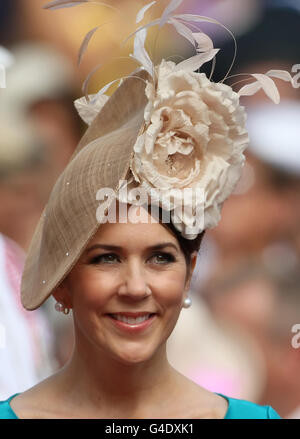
x=104 y=384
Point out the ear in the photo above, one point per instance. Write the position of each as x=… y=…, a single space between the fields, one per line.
x=192 y=267
x=62 y=294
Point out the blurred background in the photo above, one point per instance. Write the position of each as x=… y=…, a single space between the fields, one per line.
x=237 y=338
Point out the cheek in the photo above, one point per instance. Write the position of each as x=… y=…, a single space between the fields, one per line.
x=170 y=287
x=91 y=289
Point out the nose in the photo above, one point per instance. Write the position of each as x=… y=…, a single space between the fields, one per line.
x=133 y=282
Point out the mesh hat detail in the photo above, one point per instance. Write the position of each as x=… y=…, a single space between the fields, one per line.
x=69 y=221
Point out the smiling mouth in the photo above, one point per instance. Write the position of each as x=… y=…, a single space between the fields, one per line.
x=131 y=320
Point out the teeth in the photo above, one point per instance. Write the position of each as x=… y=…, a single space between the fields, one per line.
x=131 y=320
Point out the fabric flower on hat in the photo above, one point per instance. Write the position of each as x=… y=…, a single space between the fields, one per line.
x=194 y=132
x=194 y=138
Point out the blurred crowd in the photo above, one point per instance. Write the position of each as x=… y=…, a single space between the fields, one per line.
x=237 y=338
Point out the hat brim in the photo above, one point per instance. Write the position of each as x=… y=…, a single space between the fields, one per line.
x=68 y=222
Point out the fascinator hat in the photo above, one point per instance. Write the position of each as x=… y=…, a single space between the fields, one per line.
x=165 y=129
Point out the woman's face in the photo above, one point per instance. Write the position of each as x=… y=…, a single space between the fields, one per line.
x=127 y=268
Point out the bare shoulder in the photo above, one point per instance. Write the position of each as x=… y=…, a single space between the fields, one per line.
x=211 y=405
x=26 y=406
x=202 y=403
x=34 y=403
x=220 y=406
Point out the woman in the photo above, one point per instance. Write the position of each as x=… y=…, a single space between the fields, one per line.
x=125 y=304
x=124 y=269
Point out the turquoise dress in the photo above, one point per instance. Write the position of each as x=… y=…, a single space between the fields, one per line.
x=237 y=409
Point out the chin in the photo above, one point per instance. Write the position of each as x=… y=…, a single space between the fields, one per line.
x=132 y=356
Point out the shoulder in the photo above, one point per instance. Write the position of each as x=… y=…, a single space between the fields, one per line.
x=6 y=411
x=45 y=400
x=33 y=403
x=244 y=409
x=29 y=404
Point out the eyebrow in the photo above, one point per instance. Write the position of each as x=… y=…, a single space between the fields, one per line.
x=117 y=248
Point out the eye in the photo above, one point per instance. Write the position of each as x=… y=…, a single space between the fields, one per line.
x=106 y=258
x=110 y=258
x=164 y=258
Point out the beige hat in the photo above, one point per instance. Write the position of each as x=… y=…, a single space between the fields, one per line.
x=166 y=127
x=69 y=220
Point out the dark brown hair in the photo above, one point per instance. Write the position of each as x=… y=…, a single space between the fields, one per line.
x=187 y=246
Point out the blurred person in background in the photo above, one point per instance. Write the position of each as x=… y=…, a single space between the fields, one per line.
x=24 y=361
x=39 y=131
x=261 y=298
x=27 y=359
x=37 y=101
x=38 y=95
x=264 y=214
x=266 y=205
x=267 y=211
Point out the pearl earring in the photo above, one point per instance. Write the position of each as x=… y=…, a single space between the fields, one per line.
x=61 y=308
x=187 y=302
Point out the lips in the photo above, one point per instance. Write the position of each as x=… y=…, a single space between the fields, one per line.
x=132 y=318
x=132 y=322
x=132 y=314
